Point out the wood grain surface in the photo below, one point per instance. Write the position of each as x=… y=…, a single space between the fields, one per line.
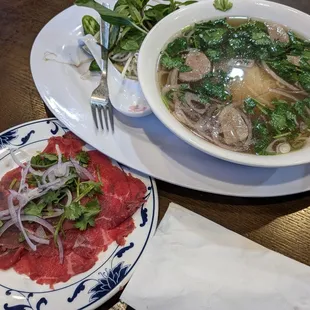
x=280 y=224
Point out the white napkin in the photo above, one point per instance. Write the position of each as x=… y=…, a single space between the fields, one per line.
x=193 y=263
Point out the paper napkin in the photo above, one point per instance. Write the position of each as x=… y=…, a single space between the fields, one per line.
x=193 y=263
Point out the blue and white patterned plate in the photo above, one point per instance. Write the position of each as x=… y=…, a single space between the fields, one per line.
x=114 y=267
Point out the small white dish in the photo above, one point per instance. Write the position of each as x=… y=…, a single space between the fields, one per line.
x=125 y=94
x=158 y=37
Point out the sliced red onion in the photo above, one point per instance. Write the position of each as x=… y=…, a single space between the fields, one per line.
x=55 y=214
x=12 y=208
x=52 y=172
x=40 y=232
x=35 y=172
x=48 y=226
x=82 y=172
x=6 y=225
x=69 y=200
x=23 y=185
x=22 y=229
x=6 y=212
x=39 y=240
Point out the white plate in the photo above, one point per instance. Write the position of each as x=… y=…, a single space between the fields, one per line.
x=145 y=143
x=114 y=267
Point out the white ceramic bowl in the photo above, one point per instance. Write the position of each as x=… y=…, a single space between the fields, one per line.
x=203 y=11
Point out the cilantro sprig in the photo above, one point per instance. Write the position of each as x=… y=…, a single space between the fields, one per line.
x=83 y=216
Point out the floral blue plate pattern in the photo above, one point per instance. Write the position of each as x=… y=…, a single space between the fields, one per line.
x=113 y=268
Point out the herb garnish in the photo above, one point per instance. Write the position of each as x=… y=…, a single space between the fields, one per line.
x=222 y=5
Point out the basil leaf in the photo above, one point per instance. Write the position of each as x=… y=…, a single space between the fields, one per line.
x=132 y=43
x=135 y=15
x=90 y=25
x=222 y=5
x=122 y=9
x=83 y=158
x=106 y=14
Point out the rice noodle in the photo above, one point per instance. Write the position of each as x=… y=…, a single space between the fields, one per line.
x=120 y=57
x=127 y=64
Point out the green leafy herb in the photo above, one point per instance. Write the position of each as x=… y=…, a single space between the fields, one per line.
x=284 y=69
x=304 y=80
x=260 y=38
x=212 y=37
x=93 y=67
x=132 y=42
x=88 y=189
x=283 y=117
x=90 y=25
x=73 y=211
x=21 y=238
x=53 y=197
x=34 y=209
x=249 y=105
x=176 y=46
x=33 y=180
x=83 y=158
x=43 y=160
x=261 y=137
x=91 y=210
x=174 y=62
x=106 y=14
x=222 y=5
x=214 y=85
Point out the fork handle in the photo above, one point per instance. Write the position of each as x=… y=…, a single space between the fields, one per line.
x=104 y=40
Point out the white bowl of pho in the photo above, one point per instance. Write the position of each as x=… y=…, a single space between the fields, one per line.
x=233 y=84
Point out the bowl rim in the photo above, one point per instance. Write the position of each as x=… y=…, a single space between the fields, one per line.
x=148 y=78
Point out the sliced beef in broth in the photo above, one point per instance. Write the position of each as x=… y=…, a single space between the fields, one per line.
x=233 y=126
x=277 y=33
x=200 y=65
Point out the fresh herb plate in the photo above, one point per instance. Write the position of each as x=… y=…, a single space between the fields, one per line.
x=114 y=267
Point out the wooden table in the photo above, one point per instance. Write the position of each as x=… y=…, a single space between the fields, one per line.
x=280 y=224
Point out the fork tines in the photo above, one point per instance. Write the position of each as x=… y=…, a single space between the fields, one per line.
x=99 y=110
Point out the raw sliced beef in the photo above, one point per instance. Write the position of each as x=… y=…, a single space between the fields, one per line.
x=9 y=177
x=69 y=145
x=81 y=254
x=122 y=196
x=9 y=258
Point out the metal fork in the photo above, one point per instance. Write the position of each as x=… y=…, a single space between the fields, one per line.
x=100 y=102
